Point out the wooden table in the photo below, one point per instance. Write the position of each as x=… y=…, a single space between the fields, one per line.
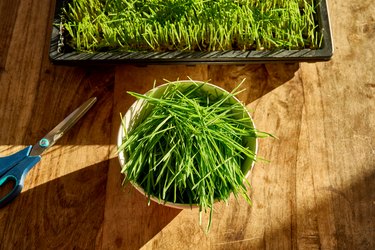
x=317 y=191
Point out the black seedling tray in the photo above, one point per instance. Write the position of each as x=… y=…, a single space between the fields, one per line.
x=62 y=54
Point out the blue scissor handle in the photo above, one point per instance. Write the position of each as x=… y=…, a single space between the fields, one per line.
x=14 y=168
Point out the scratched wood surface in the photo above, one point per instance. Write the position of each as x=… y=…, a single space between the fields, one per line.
x=317 y=191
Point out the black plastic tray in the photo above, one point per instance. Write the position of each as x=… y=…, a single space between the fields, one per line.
x=177 y=57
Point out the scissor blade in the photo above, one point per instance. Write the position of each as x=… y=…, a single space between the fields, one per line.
x=50 y=139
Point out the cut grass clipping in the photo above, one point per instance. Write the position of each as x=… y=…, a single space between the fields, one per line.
x=190 y=148
x=191 y=25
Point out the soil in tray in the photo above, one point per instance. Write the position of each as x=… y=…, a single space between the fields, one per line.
x=190 y=25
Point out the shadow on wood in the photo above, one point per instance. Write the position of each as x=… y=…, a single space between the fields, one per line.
x=8 y=9
x=350 y=225
x=64 y=213
x=130 y=221
x=259 y=78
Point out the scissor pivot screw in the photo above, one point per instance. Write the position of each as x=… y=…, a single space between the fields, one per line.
x=44 y=143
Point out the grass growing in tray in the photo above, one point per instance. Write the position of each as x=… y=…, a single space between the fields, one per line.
x=191 y=25
x=190 y=148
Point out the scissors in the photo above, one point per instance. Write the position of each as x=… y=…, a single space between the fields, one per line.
x=13 y=168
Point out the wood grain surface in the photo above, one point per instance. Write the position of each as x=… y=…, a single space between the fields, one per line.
x=316 y=192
